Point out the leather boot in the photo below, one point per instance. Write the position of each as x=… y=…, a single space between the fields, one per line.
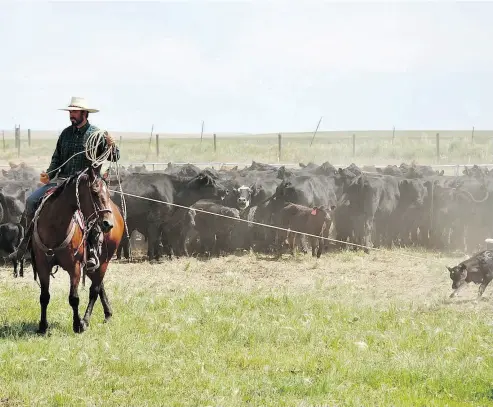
x=92 y=250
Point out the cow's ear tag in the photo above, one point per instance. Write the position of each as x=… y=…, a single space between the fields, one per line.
x=314 y=212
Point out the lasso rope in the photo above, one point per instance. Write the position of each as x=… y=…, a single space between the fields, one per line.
x=92 y=146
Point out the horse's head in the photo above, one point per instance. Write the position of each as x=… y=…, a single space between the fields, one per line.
x=94 y=199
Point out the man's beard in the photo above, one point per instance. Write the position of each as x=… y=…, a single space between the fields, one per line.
x=76 y=122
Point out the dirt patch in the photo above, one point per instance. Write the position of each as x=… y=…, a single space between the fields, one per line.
x=379 y=278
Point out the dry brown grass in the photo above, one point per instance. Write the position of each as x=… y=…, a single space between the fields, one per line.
x=380 y=278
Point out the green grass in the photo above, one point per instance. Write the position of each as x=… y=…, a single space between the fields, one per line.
x=371 y=148
x=349 y=329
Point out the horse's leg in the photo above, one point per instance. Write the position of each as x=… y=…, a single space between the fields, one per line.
x=108 y=313
x=94 y=291
x=73 y=299
x=44 y=298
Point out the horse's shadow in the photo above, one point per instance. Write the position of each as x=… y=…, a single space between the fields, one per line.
x=20 y=329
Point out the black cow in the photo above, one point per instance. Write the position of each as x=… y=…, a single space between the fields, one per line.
x=187 y=170
x=149 y=217
x=11 y=235
x=213 y=231
x=371 y=203
x=12 y=206
x=412 y=215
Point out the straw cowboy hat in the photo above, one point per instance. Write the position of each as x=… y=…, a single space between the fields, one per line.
x=78 y=103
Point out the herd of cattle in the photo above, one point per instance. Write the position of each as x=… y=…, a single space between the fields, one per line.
x=369 y=207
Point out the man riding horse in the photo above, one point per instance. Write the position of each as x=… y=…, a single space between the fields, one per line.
x=71 y=141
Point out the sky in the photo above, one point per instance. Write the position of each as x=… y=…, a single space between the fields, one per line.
x=256 y=67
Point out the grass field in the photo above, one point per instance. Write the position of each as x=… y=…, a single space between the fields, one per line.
x=347 y=330
x=335 y=147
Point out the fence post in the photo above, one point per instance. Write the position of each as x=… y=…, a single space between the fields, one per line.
x=215 y=145
x=29 y=137
x=157 y=145
x=472 y=135
x=120 y=141
x=18 y=140
x=202 y=132
x=279 y=145
x=393 y=135
x=3 y=139
x=354 y=145
x=438 y=147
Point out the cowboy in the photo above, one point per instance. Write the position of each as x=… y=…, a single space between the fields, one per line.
x=71 y=141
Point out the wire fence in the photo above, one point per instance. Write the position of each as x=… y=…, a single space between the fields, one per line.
x=362 y=147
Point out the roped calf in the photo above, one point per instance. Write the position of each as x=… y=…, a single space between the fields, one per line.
x=313 y=221
x=478 y=269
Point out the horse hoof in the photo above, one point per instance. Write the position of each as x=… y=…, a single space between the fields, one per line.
x=107 y=318
x=41 y=330
x=80 y=327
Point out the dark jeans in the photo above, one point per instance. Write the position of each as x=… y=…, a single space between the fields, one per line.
x=33 y=199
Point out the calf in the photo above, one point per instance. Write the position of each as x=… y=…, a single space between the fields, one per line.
x=173 y=233
x=478 y=269
x=214 y=231
x=313 y=221
x=11 y=235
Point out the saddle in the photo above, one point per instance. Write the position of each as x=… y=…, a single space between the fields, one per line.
x=77 y=220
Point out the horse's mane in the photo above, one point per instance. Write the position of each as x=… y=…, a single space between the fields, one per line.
x=64 y=185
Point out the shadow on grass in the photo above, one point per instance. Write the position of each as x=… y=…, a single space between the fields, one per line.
x=19 y=330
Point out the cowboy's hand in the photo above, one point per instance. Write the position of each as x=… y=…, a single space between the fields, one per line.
x=43 y=178
x=109 y=139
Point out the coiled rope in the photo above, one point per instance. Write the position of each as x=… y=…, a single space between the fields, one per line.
x=92 y=145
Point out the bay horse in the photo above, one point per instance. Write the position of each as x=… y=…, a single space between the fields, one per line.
x=61 y=224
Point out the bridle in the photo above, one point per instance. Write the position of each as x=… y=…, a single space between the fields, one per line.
x=94 y=216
